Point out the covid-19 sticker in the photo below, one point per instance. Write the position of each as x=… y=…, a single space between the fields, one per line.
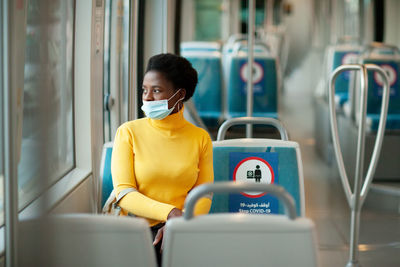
x=257 y=168
x=391 y=73
x=254 y=170
x=258 y=72
x=349 y=58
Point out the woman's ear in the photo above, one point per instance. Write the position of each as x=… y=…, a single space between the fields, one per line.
x=182 y=93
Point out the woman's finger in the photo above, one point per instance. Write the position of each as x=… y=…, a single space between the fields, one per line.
x=159 y=235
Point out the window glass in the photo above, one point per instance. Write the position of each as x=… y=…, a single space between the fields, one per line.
x=47 y=146
x=116 y=66
x=208 y=20
x=1 y=126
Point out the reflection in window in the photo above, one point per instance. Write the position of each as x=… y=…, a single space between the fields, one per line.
x=47 y=149
x=116 y=66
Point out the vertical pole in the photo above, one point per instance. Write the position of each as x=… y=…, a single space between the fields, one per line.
x=10 y=166
x=355 y=201
x=133 y=59
x=250 y=59
x=269 y=6
x=165 y=26
x=361 y=14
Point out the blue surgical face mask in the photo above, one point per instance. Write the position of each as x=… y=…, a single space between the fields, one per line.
x=158 y=109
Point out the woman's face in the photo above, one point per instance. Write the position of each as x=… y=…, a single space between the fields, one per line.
x=157 y=87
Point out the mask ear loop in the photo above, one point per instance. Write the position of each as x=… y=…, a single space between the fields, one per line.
x=179 y=102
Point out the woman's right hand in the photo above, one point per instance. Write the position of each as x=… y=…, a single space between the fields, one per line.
x=175 y=212
x=160 y=234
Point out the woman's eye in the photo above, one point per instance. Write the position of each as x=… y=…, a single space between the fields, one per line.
x=156 y=91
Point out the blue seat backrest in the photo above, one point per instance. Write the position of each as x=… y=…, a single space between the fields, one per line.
x=207 y=97
x=106 y=185
x=282 y=156
x=338 y=56
x=266 y=84
x=375 y=85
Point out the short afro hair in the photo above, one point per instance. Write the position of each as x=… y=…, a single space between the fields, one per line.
x=177 y=70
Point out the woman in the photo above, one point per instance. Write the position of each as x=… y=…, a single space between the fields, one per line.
x=163 y=156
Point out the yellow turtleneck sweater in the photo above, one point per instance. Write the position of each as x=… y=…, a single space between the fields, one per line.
x=163 y=160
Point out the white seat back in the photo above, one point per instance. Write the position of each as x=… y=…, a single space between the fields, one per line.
x=240 y=239
x=86 y=240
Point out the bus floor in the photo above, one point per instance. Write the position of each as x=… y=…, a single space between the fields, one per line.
x=326 y=203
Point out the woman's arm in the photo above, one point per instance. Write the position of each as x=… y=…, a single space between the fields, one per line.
x=206 y=175
x=123 y=174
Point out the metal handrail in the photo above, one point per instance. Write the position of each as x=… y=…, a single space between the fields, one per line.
x=381 y=128
x=252 y=120
x=357 y=197
x=237 y=187
x=380 y=133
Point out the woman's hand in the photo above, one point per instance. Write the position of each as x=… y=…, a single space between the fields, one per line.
x=159 y=236
x=160 y=233
x=174 y=213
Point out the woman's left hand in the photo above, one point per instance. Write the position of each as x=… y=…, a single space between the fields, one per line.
x=159 y=237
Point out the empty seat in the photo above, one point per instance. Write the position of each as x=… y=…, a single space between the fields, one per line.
x=237 y=239
x=279 y=161
x=391 y=64
x=82 y=240
x=265 y=79
x=337 y=55
x=206 y=59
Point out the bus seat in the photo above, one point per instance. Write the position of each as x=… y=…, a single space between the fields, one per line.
x=391 y=64
x=207 y=97
x=200 y=47
x=106 y=185
x=338 y=55
x=81 y=240
x=237 y=239
x=286 y=165
x=266 y=85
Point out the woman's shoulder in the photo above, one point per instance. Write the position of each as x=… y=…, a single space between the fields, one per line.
x=130 y=127
x=133 y=124
x=199 y=132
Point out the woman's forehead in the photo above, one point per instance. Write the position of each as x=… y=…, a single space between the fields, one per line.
x=155 y=77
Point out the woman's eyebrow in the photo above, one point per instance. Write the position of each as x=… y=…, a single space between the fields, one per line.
x=157 y=86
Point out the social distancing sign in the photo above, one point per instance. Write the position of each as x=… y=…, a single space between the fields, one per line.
x=258 y=77
x=258 y=168
x=391 y=71
x=254 y=170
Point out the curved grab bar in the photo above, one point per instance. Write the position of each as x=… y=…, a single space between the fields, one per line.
x=236 y=187
x=381 y=130
x=236 y=37
x=252 y=120
x=377 y=45
x=334 y=128
x=357 y=198
x=361 y=133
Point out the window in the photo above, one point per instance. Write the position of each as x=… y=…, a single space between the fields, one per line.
x=47 y=145
x=116 y=66
x=2 y=152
